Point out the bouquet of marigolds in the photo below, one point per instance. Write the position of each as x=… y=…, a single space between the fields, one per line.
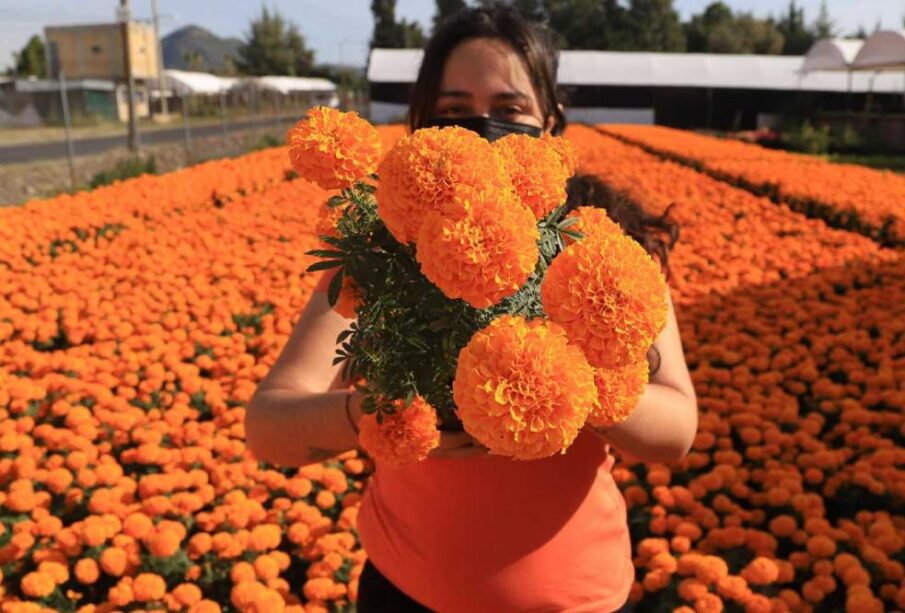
x=477 y=302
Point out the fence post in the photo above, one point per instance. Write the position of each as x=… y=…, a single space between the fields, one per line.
x=70 y=150
x=223 y=113
x=186 y=129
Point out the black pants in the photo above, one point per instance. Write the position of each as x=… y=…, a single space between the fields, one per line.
x=377 y=595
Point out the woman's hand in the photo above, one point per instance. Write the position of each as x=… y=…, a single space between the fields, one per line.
x=458 y=445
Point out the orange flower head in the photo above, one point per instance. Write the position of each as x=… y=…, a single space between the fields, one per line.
x=37 y=584
x=423 y=171
x=593 y=220
x=537 y=170
x=332 y=148
x=350 y=298
x=405 y=437
x=609 y=295
x=327 y=219
x=148 y=587
x=761 y=571
x=483 y=255
x=566 y=150
x=522 y=390
x=618 y=391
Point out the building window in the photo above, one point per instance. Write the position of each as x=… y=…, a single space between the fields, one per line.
x=95 y=49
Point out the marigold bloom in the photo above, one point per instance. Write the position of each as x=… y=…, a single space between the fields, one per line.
x=405 y=437
x=618 y=391
x=593 y=220
x=423 y=171
x=761 y=571
x=114 y=561
x=350 y=298
x=537 y=169
x=187 y=594
x=332 y=148
x=164 y=543
x=37 y=584
x=55 y=570
x=482 y=256
x=148 y=587
x=522 y=390
x=566 y=151
x=609 y=296
x=87 y=571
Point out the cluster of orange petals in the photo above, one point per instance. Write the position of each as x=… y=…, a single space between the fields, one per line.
x=136 y=321
x=538 y=171
x=522 y=390
x=851 y=196
x=333 y=149
x=423 y=172
x=482 y=254
x=404 y=437
x=609 y=295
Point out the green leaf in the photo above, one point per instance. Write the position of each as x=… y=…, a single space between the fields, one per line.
x=336 y=284
x=324 y=265
x=326 y=253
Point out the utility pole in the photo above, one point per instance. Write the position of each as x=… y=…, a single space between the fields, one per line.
x=161 y=84
x=124 y=16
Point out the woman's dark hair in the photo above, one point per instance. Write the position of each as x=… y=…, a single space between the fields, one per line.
x=533 y=43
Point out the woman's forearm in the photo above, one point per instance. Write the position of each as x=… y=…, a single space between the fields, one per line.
x=661 y=428
x=292 y=428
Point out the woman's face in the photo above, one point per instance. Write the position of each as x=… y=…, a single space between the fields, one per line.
x=485 y=77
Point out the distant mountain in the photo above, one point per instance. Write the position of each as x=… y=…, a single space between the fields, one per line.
x=194 y=48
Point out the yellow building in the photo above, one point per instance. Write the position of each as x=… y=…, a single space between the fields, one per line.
x=95 y=51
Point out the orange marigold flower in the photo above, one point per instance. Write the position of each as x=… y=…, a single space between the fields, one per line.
x=592 y=221
x=148 y=587
x=266 y=536
x=405 y=437
x=114 y=561
x=537 y=170
x=482 y=255
x=522 y=390
x=423 y=171
x=266 y=568
x=87 y=571
x=332 y=148
x=37 y=584
x=350 y=298
x=761 y=571
x=821 y=546
x=164 y=543
x=55 y=570
x=327 y=218
x=566 y=151
x=610 y=297
x=137 y=525
x=187 y=594
x=618 y=391
x=205 y=606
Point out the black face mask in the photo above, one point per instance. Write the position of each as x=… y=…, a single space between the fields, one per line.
x=487 y=127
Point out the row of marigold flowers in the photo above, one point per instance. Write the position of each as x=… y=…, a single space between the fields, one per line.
x=848 y=196
x=122 y=429
x=798 y=374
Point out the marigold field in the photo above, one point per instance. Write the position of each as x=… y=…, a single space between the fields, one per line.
x=136 y=321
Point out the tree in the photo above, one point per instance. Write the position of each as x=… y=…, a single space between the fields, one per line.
x=392 y=34
x=718 y=30
x=653 y=25
x=824 y=26
x=446 y=9
x=698 y=30
x=798 y=38
x=274 y=46
x=31 y=61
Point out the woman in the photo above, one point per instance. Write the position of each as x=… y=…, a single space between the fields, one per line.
x=464 y=530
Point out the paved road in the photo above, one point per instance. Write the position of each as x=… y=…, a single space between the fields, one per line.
x=27 y=152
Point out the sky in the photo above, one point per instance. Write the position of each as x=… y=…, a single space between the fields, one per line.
x=339 y=30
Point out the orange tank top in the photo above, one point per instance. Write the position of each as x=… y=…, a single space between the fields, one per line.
x=491 y=534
